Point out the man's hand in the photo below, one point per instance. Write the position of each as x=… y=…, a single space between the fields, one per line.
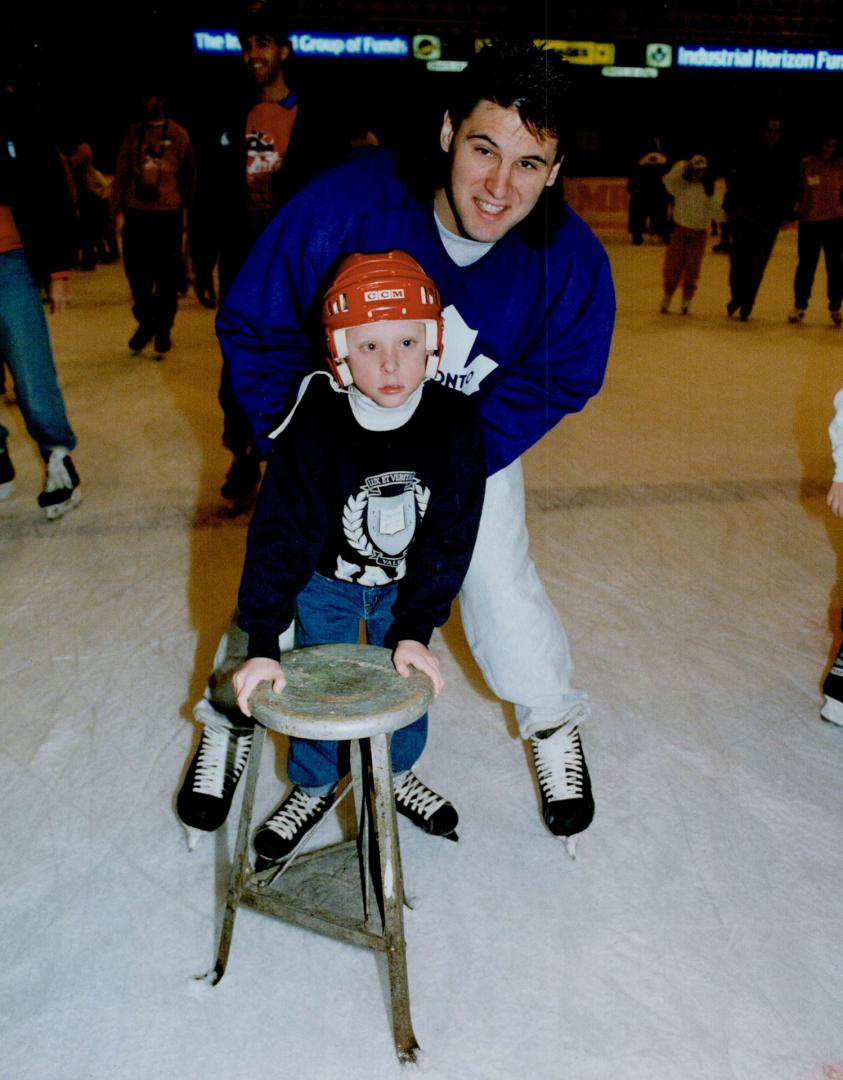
x=58 y=293
x=257 y=670
x=409 y=654
x=835 y=498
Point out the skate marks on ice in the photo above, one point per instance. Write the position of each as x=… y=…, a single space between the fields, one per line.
x=548 y=499
x=22 y=522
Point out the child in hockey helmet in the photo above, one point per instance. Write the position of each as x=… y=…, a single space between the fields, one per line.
x=383 y=317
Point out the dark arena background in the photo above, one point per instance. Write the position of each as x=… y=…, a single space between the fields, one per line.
x=85 y=62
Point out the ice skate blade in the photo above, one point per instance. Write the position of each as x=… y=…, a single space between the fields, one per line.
x=58 y=510
x=570 y=845
x=193 y=836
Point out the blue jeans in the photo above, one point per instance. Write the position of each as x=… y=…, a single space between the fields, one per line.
x=25 y=347
x=328 y=612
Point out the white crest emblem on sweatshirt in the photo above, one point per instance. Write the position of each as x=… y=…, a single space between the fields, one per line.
x=380 y=520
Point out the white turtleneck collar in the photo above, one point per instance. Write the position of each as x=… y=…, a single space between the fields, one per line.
x=367 y=413
x=374 y=417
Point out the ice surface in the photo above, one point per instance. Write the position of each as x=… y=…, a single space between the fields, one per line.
x=680 y=526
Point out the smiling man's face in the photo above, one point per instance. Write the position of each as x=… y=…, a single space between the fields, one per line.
x=498 y=172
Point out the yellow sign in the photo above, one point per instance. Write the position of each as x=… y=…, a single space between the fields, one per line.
x=575 y=52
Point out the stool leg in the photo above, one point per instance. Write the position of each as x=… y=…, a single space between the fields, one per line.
x=362 y=811
x=241 y=853
x=392 y=887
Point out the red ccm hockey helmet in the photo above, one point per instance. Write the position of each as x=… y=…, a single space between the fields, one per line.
x=387 y=286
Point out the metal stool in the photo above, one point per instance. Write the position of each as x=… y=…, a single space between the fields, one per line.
x=350 y=693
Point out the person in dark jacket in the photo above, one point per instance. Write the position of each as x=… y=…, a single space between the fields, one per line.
x=38 y=247
x=252 y=155
x=761 y=190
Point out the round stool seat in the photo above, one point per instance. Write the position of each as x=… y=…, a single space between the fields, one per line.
x=341 y=692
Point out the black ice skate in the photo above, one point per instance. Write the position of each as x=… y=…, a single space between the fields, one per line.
x=288 y=825
x=7 y=473
x=832 y=709
x=61 y=486
x=567 y=803
x=424 y=807
x=208 y=789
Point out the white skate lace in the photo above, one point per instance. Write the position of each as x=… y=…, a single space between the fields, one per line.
x=213 y=757
x=57 y=475
x=414 y=795
x=293 y=813
x=559 y=765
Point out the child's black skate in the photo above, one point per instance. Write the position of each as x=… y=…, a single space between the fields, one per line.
x=288 y=825
x=424 y=807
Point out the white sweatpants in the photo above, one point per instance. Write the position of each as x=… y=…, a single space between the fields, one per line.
x=510 y=624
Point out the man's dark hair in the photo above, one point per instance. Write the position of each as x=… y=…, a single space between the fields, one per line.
x=520 y=75
x=263 y=18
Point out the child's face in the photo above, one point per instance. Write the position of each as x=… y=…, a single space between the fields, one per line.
x=387 y=359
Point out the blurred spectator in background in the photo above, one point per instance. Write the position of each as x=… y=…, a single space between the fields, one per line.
x=153 y=186
x=97 y=238
x=253 y=154
x=691 y=186
x=648 y=200
x=761 y=190
x=820 y=214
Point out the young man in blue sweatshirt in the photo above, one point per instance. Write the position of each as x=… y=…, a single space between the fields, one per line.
x=529 y=310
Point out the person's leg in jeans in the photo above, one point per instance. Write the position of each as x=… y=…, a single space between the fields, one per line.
x=329 y=611
x=26 y=349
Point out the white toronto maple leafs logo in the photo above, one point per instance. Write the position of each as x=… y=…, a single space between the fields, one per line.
x=457 y=343
x=379 y=523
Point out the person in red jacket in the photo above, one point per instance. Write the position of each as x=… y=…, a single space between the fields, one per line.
x=153 y=186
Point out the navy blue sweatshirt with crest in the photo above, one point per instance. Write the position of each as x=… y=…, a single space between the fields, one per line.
x=368 y=507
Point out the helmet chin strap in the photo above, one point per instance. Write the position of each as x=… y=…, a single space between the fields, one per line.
x=335 y=386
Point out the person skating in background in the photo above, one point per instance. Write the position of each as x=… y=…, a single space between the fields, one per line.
x=832 y=707
x=39 y=245
x=761 y=189
x=820 y=213
x=398 y=452
x=254 y=150
x=691 y=186
x=153 y=186
x=97 y=238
